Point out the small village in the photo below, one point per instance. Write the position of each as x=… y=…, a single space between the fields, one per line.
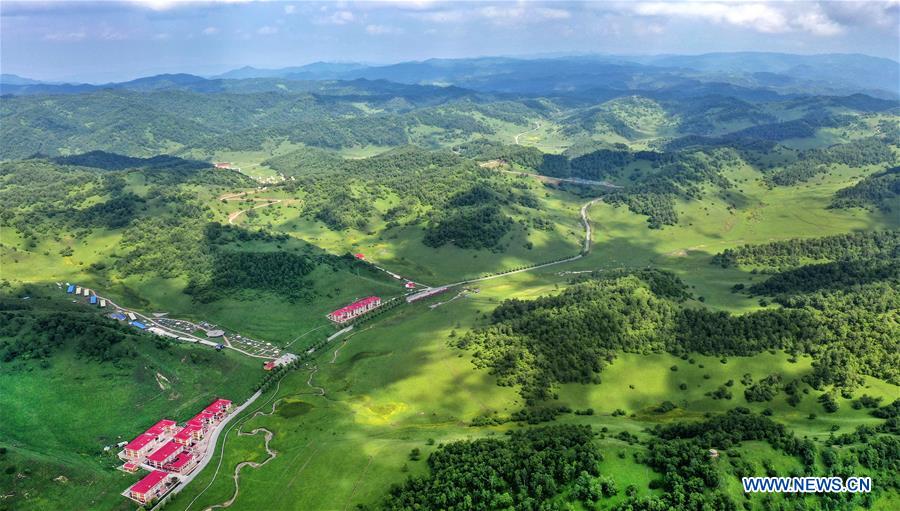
x=170 y=452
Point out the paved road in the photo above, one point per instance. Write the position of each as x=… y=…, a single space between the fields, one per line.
x=214 y=437
x=151 y=322
x=241 y=408
x=551 y=179
x=586 y=248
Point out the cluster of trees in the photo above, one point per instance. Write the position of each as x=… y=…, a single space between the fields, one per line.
x=27 y=334
x=522 y=472
x=569 y=337
x=836 y=275
x=474 y=227
x=765 y=389
x=663 y=283
x=474 y=218
x=763 y=135
x=692 y=479
x=877 y=190
x=858 y=153
x=682 y=176
x=794 y=252
x=280 y=272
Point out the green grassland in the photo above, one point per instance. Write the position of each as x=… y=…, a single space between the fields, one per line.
x=750 y=213
x=396 y=384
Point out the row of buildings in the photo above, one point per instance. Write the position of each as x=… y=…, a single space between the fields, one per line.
x=168 y=451
x=72 y=289
x=355 y=309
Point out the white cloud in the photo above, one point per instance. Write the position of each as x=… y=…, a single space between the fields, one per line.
x=444 y=16
x=210 y=31
x=774 y=17
x=553 y=14
x=339 y=18
x=758 y=16
x=290 y=9
x=267 y=30
x=817 y=23
x=382 y=30
x=162 y=5
x=66 y=36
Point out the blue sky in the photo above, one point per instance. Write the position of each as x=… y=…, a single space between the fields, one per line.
x=105 y=41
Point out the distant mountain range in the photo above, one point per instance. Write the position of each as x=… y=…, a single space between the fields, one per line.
x=767 y=73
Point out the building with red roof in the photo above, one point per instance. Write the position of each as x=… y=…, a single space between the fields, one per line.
x=163 y=426
x=219 y=407
x=182 y=464
x=130 y=467
x=165 y=454
x=188 y=434
x=359 y=256
x=355 y=309
x=150 y=487
x=148 y=440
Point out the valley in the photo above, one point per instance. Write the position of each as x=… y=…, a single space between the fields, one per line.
x=652 y=290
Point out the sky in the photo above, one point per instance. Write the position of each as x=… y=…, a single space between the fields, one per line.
x=113 y=41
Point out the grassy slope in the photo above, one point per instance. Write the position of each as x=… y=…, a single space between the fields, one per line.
x=401 y=250
x=281 y=322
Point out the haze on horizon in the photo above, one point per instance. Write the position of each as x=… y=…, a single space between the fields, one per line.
x=113 y=41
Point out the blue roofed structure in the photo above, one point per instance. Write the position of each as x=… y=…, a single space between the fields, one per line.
x=70 y=289
x=138 y=324
x=93 y=299
x=117 y=315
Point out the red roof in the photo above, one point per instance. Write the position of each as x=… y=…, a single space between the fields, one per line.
x=180 y=461
x=217 y=406
x=187 y=431
x=165 y=452
x=140 y=442
x=149 y=482
x=161 y=426
x=148 y=436
x=356 y=305
x=131 y=467
x=359 y=256
x=268 y=366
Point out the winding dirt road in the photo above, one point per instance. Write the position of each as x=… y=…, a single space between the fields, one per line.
x=252 y=464
x=537 y=126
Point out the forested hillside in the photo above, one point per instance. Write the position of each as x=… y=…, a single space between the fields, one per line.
x=572 y=336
